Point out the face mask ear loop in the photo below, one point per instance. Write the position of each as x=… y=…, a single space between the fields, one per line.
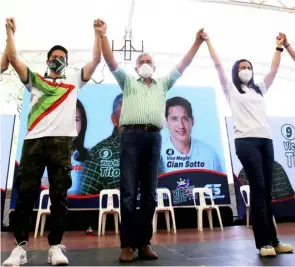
x=64 y=71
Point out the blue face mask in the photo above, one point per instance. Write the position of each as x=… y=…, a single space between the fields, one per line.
x=57 y=65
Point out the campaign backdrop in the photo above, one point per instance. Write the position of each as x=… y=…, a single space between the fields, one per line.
x=203 y=166
x=283 y=134
x=6 y=137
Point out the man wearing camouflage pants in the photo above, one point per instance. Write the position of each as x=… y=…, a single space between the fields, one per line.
x=51 y=129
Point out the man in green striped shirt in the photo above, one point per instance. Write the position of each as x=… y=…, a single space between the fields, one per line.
x=142 y=118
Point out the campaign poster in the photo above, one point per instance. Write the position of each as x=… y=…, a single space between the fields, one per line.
x=283 y=187
x=191 y=155
x=6 y=137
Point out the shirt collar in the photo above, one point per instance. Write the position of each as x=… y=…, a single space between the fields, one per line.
x=140 y=79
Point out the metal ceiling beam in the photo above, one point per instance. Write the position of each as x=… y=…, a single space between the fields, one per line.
x=260 y=5
x=283 y=5
x=128 y=47
x=128 y=29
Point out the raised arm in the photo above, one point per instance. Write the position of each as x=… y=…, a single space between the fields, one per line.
x=4 y=58
x=184 y=63
x=221 y=73
x=90 y=67
x=13 y=59
x=288 y=46
x=270 y=76
x=106 y=48
x=4 y=61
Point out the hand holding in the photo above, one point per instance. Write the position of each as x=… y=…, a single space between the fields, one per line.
x=205 y=36
x=285 y=43
x=10 y=25
x=199 y=38
x=100 y=27
x=280 y=39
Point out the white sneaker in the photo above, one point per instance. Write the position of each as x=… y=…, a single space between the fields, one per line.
x=18 y=256
x=283 y=248
x=267 y=251
x=56 y=256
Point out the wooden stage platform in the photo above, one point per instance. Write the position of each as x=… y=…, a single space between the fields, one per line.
x=234 y=246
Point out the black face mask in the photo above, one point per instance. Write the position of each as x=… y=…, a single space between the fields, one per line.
x=57 y=65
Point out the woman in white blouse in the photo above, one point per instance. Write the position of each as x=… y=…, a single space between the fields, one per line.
x=253 y=141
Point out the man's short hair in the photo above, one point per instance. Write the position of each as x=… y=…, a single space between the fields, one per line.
x=57 y=47
x=179 y=101
x=117 y=101
x=143 y=54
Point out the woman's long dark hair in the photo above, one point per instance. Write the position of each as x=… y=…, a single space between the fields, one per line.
x=237 y=81
x=78 y=142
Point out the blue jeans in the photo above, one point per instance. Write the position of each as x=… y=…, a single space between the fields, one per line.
x=257 y=158
x=139 y=159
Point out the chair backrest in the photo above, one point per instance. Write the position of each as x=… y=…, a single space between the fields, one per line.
x=110 y=199
x=160 y=193
x=201 y=191
x=44 y=193
x=246 y=189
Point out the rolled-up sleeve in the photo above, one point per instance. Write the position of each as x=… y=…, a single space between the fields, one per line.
x=121 y=77
x=171 y=78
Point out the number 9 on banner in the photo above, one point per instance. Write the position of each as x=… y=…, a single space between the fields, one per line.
x=288 y=131
x=105 y=153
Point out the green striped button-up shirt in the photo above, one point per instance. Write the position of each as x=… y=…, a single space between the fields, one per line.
x=142 y=103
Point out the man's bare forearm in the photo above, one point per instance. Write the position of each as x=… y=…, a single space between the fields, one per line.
x=187 y=59
x=4 y=61
x=19 y=66
x=10 y=48
x=108 y=53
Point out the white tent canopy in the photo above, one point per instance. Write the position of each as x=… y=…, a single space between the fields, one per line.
x=238 y=29
x=163 y=25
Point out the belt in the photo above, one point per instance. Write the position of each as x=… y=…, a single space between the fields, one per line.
x=146 y=127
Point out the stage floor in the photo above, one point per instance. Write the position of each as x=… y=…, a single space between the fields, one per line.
x=232 y=247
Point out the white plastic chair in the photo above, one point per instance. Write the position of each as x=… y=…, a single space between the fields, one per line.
x=203 y=206
x=246 y=189
x=42 y=212
x=108 y=210
x=166 y=209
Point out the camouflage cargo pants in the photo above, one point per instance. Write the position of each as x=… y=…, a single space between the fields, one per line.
x=55 y=154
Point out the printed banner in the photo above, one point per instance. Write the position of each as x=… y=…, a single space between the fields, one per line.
x=191 y=156
x=6 y=137
x=283 y=134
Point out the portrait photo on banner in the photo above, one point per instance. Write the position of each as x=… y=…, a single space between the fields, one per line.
x=191 y=155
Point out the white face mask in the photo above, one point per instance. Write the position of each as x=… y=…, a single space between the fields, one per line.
x=146 y=71
x=245 y=76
